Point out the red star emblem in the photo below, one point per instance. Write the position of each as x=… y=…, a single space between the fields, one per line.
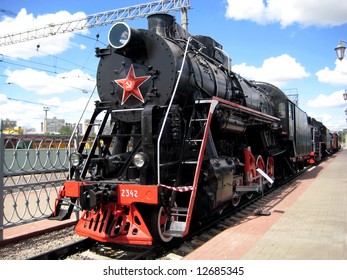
x=131 y=85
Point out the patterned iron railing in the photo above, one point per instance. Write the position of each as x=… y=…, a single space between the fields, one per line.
x=32 y=171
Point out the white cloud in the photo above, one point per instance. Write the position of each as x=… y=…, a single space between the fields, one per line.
x=42 y=83
x=50 y=45
x=78 y=106
x=337 y=76
x=70 y=110
x=26 y=114
x=330 y=119
x=2 y=98
x=30 y=115
x=327 y=101
x=60 y=92
x=272 y=70
x=324 y=118
x=287 y=12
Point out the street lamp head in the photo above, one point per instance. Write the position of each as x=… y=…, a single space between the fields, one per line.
x=340 y=51
x=345 y=95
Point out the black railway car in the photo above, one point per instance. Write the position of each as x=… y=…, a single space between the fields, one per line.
x=335 y=144
x=295 y=128
x=321 y=140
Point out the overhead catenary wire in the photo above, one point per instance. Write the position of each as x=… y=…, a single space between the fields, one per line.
x=60 y=115
x=5 y=59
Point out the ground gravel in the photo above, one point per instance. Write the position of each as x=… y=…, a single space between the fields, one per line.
x=34 y=246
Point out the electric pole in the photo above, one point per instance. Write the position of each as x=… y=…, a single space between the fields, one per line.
x=46 y=109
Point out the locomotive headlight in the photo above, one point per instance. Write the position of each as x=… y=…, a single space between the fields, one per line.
x=140 y=160
x=76 y=159
x=121 y=35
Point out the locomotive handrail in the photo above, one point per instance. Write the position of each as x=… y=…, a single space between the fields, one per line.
x=170 y=104
x=127 y=110
x=235 y=106
x=227 y=55
x=74 y=132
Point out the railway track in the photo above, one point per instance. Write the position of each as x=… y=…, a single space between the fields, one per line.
x=91 y=249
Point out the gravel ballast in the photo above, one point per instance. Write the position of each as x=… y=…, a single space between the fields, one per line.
x=34 y=246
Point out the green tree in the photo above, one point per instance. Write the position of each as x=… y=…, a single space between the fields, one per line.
x=65 y=130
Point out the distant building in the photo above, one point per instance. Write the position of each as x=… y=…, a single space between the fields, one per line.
x=97 y=123
x=10 y=127
x=9 y=124
x=14 y=130
x=95 y=128
x=52 y=125
x=72 y=126
x=30 y=130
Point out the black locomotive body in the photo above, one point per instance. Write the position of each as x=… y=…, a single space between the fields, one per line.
x=188 y=137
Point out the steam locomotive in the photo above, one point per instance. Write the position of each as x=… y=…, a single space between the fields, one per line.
x=187 y=137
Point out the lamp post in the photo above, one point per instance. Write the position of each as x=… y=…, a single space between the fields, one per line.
x=340 y=50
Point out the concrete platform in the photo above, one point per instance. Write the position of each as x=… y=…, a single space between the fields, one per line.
x=17 y=233
x=308 y=221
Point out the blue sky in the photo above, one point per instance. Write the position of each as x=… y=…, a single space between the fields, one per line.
x=289 y=43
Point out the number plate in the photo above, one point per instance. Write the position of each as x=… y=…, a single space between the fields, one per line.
x=128 y=194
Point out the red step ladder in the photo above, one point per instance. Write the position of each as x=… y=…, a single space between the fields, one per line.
x=179 y=218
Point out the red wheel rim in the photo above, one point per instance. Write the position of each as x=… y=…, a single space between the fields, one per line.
x=261 y=165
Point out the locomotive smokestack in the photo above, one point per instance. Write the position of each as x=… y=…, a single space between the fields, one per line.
x=162 y=24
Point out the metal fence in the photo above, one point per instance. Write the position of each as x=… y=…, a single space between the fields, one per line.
x=32 y=171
